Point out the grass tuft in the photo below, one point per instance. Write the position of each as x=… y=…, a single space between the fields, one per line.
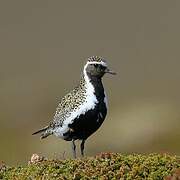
x=103 y=166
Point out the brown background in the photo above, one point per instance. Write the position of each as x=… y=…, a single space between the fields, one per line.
x=43 y=47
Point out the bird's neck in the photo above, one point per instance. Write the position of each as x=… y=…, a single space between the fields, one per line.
x=94 y=84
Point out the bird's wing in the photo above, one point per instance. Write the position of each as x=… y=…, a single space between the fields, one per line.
x=68 y=104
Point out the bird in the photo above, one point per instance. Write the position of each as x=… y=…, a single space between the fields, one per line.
x=82 y=111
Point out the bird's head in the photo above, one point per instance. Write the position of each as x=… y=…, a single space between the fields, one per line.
x=97 y=66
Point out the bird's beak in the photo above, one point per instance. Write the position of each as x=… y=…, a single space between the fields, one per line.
x=110 y=72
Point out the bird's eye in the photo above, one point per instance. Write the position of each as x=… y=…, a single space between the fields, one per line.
x=96 y=65
x=103 y=67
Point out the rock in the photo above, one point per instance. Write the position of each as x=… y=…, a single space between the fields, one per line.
x=35 y=158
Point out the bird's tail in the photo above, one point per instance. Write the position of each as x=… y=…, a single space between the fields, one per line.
x=44 y=132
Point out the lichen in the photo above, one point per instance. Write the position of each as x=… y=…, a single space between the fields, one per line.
x=103 y=166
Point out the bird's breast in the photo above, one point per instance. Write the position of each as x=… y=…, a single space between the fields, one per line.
x=86 y=124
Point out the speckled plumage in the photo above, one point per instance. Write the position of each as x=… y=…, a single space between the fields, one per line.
x=81 y=111
x=96 y=59
x=70 y=103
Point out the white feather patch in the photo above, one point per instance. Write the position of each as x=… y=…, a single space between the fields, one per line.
x=95 y=62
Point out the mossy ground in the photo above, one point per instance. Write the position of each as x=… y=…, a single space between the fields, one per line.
x=103 y=166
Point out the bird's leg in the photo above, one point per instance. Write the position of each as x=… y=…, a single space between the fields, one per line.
x=82 y=147
x=74 y=148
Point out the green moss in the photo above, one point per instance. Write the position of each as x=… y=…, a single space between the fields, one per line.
x=104 y=166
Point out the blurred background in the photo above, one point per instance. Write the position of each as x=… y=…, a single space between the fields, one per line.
x=43 y=47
